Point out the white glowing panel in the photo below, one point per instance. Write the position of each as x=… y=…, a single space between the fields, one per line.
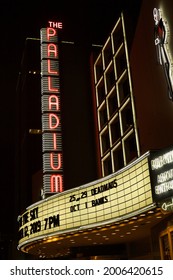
x=161 y=163
x=51 y=112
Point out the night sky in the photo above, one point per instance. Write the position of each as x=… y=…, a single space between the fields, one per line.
x=88 y=21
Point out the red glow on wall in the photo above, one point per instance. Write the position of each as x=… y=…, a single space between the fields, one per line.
x=52 y=148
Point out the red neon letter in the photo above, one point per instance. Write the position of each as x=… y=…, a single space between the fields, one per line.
x=54 y=141
x=53 y=121
x=52 y=48
x=53 y=101
x=51 y=32
x=56 y=183
x=50 y=85
x=49 y=70
x=58 y=163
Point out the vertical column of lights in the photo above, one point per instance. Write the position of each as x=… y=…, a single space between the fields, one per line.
x=115 y=44
x=131 y=90
x=51 y=111
x=119 y=28
x=107 y=156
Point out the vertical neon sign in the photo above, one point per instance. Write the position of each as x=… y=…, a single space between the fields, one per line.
x=51 y=110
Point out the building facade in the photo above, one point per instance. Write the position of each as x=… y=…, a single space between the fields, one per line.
x=117 y=128
x=126 y=200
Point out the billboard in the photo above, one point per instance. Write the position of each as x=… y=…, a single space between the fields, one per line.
x=161 y=169
x=51 y=110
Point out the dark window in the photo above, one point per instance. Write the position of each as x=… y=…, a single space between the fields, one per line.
x=100 y=92
x=115 y=130
x=107 y=166
x=118 y=158
x=99 y=69
x=110 y=78
x=103 y=116
x=120 y=62
x=124 y=89
x=127 y=117
x=108 y=54
x=118 y=37
x=105 y=141
x=130 y=148
x=112 y=103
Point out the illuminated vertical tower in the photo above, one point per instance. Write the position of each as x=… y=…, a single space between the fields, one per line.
x=52 y=127
x=116 y=117
x=51 y=111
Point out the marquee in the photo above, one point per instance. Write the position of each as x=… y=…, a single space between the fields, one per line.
x=115 y=197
